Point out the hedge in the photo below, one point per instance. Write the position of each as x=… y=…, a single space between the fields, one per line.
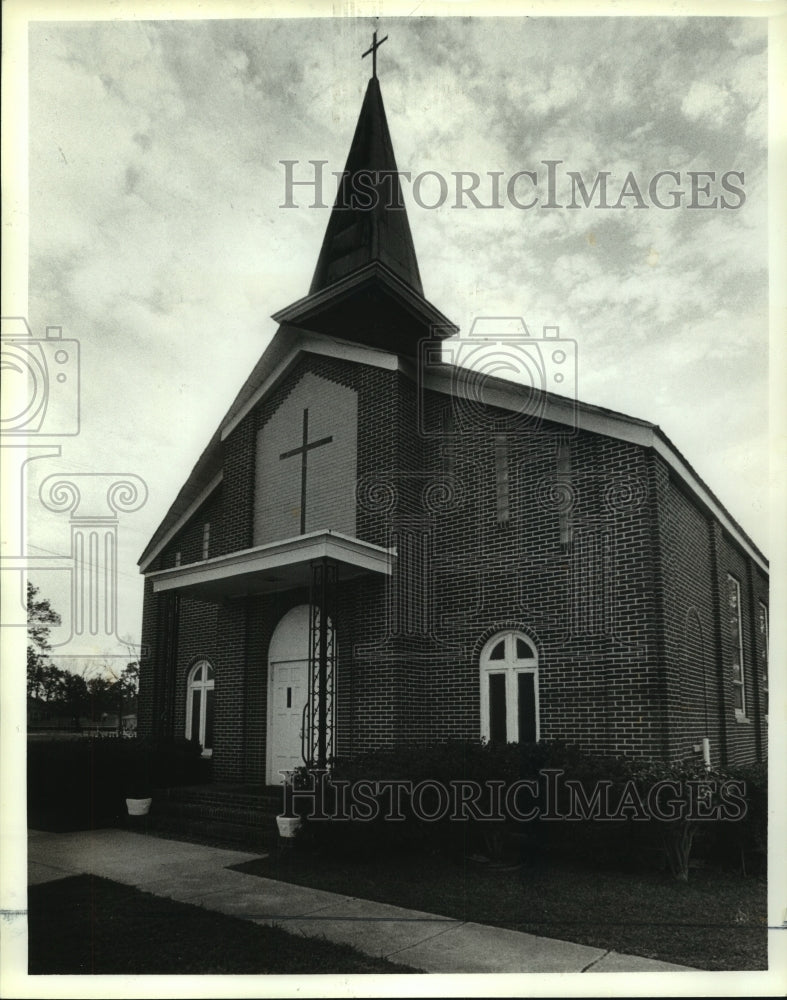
x=82 y=784
x=644 y=809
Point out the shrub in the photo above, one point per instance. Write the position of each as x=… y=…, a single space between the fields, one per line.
x=608 y=810
x=744 y=842
x=73 y=784
x=82 y=784
x=172 y=762
x=441 y=763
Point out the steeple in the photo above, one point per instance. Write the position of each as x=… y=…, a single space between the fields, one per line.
x=367 y=286
x=369 y=220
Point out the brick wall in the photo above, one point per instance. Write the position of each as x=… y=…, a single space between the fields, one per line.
x=697 y=555
x=695 y=709
x=588 y=605
x=590 y=549
x=331 y=468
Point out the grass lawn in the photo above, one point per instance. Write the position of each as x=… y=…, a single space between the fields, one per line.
x=715 y=921
x=85 y=925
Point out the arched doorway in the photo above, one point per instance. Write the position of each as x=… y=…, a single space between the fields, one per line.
x=288 y=690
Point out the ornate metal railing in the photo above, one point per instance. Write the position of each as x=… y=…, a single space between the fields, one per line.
x=317 y=737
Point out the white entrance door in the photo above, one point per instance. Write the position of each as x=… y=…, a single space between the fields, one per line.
x=288 y=690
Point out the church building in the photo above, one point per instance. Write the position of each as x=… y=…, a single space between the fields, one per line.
x=387 y=541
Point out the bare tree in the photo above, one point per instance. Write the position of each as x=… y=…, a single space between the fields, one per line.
x=41 y=617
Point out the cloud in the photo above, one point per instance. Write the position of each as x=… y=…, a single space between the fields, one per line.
x=707 y=101
x=157 y=239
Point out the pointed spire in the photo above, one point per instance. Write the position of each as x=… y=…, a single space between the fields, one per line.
x=366 y=286
x=368 y=222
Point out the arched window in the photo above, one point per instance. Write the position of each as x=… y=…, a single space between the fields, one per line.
x=509 y=689
x=200 y=700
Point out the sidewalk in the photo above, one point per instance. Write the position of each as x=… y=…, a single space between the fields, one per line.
x=192 y=873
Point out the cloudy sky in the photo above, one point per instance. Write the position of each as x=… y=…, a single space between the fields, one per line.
x=158 y=241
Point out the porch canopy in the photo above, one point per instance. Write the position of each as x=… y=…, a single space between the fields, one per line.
x=277 y=566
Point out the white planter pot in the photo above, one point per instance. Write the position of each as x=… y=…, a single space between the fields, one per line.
x=288 y=825
x=138 y=807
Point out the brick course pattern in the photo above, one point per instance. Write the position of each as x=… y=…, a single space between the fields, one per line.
x=593 y=549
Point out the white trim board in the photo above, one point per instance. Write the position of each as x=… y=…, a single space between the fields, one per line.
x=309 y=344
x=622 y=428
x=565 y=412
x=181 y=521
x=264 y=558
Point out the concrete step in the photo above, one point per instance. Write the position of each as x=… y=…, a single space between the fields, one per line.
x=242 y=797
x=260 y=840
x=227 y=812
x=233 y=816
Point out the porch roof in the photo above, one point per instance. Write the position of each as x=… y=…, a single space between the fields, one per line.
x=273 y=567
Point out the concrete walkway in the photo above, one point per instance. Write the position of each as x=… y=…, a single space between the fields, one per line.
x=192 y=873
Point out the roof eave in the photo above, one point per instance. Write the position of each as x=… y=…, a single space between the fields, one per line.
x=299 y=313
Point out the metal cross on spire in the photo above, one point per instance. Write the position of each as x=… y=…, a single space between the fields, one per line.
x=373 y=49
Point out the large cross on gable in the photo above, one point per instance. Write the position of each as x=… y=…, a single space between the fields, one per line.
x=303 y=450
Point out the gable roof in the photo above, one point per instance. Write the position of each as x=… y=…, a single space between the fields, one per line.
x=367 y=287
x=291 y=343
x=287 y=346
